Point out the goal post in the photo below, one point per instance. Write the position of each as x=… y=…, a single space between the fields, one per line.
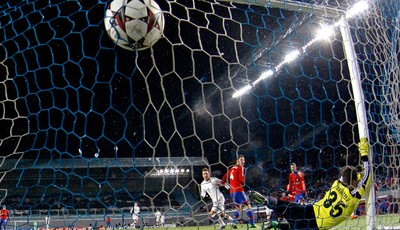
x=359 y=101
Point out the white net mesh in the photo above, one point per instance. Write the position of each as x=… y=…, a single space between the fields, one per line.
x=87 y=127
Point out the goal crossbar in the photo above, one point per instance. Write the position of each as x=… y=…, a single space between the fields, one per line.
x=295 y=6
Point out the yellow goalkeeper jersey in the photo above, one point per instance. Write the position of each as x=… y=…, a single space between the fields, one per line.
x=339 y=202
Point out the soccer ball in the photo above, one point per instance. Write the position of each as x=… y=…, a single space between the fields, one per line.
x=134 y=24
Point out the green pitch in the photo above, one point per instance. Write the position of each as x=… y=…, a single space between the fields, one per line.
x=392 y=221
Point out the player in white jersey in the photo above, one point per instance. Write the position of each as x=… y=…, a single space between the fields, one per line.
x=158 y=218
x=162 y=220
x=135 y=210
x=210 y=186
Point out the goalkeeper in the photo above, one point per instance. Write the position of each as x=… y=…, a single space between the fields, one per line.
x=338 y=203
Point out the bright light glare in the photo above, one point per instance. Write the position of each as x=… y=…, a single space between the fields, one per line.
x=292 y=56
x=247 y=88
x=263 y=76
x=242 y=91
x=325 y=32
x=266 y=74
x=357 y=9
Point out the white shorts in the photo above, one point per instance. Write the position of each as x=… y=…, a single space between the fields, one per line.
x=219 y=205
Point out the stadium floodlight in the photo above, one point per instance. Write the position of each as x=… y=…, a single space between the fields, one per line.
x=263 y=76
x=168 y=172
x=242 y=91
x=356 y=9
x=291 y=56
x=325 y=32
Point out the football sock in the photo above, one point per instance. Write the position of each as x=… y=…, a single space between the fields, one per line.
x=249 y=213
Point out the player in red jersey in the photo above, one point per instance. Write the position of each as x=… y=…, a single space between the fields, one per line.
x=4 y=217
x=235 y=178
x=297 y=184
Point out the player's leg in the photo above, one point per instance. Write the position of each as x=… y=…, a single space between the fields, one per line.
x=226 y=216
x=298 y=216
x=248 y=210
x=261 y=200
x=298 y=198
x=250 y=215
x=269 y=203
x=268 y=212
x=214 y=216
x=221 y=212
x=220 y=221
x=221 y=208
x=238 y=209
x=282 y=225
x=134 y=218
x=269 y=223
x=216 y=212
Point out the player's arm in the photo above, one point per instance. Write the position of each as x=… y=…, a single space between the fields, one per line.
x=289 y=186
x=225 y=178
x=215 y=181
x=363 y=183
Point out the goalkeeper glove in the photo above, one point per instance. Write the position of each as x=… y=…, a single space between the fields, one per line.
x=363 y=147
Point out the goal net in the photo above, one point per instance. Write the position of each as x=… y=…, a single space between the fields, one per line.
x=27 y=225
x=88 y=128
